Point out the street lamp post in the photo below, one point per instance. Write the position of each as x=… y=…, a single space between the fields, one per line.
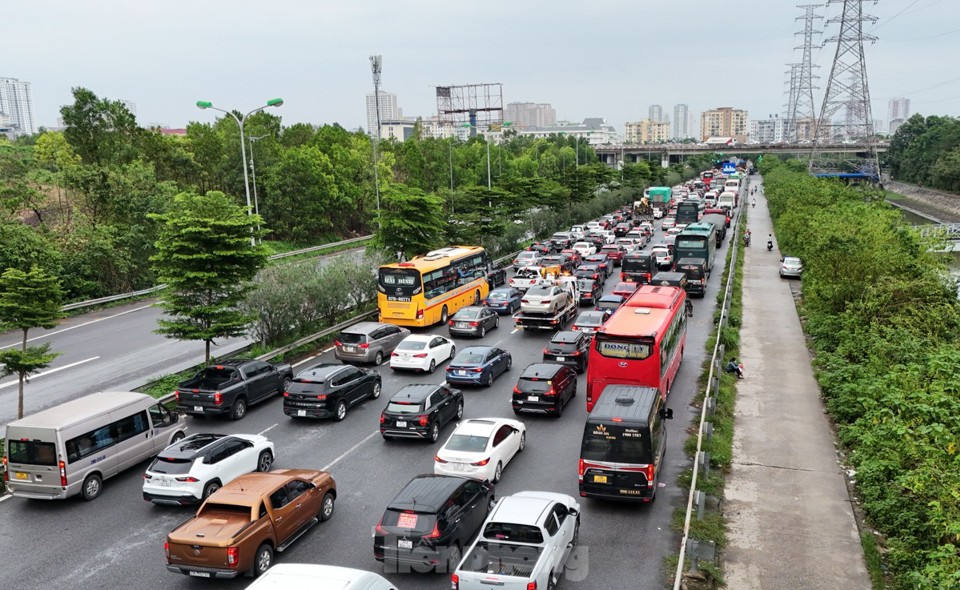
x=276 y=102
x=376 y=67
x=253 y=176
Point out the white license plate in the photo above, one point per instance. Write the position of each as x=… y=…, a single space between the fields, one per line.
x=461 y=372
x=533 y=398
x=404 y=544
x=350 y=349
x=462 y=325
x=165 y=482
x=401 y=424
x=459 y=467
x=560 y=359
x=197 y=408
x=301 y=412
x=200 y=574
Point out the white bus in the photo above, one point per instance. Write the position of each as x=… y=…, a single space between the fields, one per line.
x=71 y=448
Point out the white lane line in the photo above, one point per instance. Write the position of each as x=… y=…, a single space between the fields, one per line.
x=308 y=359
x=5 y=497
x=348 y=451
x=52 y=371
x=266 y=430
x=515 y=330
x=109 y=317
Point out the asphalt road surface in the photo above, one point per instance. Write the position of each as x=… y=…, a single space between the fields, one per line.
x=117 y=540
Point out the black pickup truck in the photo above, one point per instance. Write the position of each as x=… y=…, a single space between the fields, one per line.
x=231 y=386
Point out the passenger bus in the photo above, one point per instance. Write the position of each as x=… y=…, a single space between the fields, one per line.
x=641 y=344
x=697 y=240
x=688 y=212
x=429 y=289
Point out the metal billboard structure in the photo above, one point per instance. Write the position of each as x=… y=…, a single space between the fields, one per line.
x=479 y=105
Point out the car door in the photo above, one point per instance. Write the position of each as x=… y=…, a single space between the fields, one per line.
x=258 y=380
x=438 y=349
x=500 y=452
x=350 y=382
x=447 y=408
x=236 y=458
x=474 y=507
x=567 y=523
x=490 y=317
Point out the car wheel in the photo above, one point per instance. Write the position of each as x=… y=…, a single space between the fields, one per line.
x=453 y=352
x=433 y=366
x=376 y=391
x=92 y=487
x=434 y=432
x=489 y=381
x=341 y=410
x=483 y=331
x=263 y=560
x=496 y=323
x=210 y=488
x=378 y=359
x=516 y=411
x=551 y=584
x=559 y=411
x=239 y=409
x=264 y=461
x=177 y=437
x=476 y=297
x=523 y=442
x=453 y=558
x=443 y=315
x=509 y=364
x=498 y=473
x=326 y=507
x=459 y=411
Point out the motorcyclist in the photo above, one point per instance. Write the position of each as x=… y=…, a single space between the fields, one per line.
x=746 y=238
x=769 y=241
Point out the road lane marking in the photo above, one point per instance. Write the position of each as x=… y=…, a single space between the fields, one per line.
x=306 y=360
x=348 y=451
x=52 y=371
x=266 y=430
x=5 y=497
x=515 y=330
x=109 y=317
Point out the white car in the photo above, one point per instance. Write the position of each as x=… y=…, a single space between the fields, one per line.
x=657 y=212
x=577 y=232
x=675 y=231
x=585 y=248
x=662 y=255
x=668 y=222
x=191 y=469
x=631 y=242
x=480 y=448
x=422 y=352
x=297 y=576
x=527 y=258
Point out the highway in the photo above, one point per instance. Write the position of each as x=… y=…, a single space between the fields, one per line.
x=119 y=538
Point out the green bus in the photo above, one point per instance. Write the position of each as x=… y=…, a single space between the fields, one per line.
x=697 y=240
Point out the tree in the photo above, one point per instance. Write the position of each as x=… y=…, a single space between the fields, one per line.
x=205 y=257
x=411 y=221
x=100 y=130
x=302 y=186
x=28 y=300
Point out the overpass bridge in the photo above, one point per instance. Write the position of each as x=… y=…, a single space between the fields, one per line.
x=669 y=153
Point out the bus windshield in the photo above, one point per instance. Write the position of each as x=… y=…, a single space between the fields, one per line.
x=613 y=443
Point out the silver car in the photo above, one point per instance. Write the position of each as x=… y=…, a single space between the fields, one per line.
x=527 y=258
x=368 y=342
x=549 y=299
x=791 y=266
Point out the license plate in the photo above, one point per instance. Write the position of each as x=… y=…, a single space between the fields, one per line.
x=459 y=467
x=401 y=423
x=462 y=325
x=21 y=476
x=200 y=574
x=560 y=359
x=164 y=482
x=404 y=544
x=349 y=349
x=533 y=398
x=197 y=408
x=599 y=479
x=461 y=372
x=301 y=412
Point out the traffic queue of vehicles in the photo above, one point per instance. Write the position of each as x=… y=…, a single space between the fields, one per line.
x=249 y=511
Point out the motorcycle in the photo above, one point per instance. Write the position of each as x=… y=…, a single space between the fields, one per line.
x=769 y=245
x=746 y=240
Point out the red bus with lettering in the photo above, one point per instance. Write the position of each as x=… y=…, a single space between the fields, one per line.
x=641 y=344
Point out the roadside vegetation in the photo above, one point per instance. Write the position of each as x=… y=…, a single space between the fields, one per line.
x=926 y=151
x=883 y=320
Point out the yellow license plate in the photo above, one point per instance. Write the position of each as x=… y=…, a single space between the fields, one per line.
x=599 y=479
x=22 y=476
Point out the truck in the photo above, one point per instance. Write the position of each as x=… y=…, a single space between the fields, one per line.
x=718 y=221
x=524 y=543
x=534 y=315
x=660 y=197
x=230 y=386
x=239 y=527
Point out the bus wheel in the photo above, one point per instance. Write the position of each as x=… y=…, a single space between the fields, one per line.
x=476 y=297
x=443 y=315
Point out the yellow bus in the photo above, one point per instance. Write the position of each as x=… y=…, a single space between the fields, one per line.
x=429 y=289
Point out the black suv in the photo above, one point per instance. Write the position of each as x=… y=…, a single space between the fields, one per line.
x=328 y=390
x=420 y=411
x=568 y=348
x=590 y=291
x=544 y=388
x=427 y=525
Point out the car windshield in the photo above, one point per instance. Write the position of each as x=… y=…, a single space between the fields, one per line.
x=525 y=255
x=521 y=533
x=563 y=346
x=467 y=443
x=412 y=345
x=497 y=295
x=348 y=338
x=469 y=357
x=467 y=314
x=409 y=521
x=590 y=319
x=170 y=465
x=404 y=407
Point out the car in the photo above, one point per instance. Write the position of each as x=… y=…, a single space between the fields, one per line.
x=610 y=303
x=589 y=321
x=621 y=229
x=504 y=300
x=603 y=260
x=231 y=386
x=577 y=231
x=424 y=526
x=668 y=222
x=571 y=347
x=791 y=266
x=297 y=576
x=674 y=231
x=473 y=321
x=328 y=390
x=585 y=248
x=590 y=290
x=661 y=253
x=480 y=448
x=591 y=271
x=191 y=469
x=548 y=299
x=558 y=262
x=368 y=342
x=496 y=276
x=525 y=542
x=541 y=248
x=634 y=241
x=544 y=388
x=625 y=289
x=478 y=365
x=420 y=411
x=573 y=255
x=646 y=227
x=422 y=352
x=562 y=239
x=527 y=258
x=614 y=253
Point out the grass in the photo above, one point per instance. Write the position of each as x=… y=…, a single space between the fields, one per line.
x=875 y=569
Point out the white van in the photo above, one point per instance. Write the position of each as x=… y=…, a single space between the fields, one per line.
x=71 y=448
x=732 y=185
x=726 y=200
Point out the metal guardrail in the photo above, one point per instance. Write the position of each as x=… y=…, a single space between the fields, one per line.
x=122 y=296
x=713 y=384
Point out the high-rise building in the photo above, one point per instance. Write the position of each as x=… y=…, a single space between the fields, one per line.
x=769 y=130
x=898 y=108
x=682 y=122
x=646 y=131
x=388 y=110
x=724 y=122
x=656 y=113
x=530 y=114
x=16 y=104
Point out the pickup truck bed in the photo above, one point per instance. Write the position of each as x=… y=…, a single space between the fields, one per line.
x=502 y=559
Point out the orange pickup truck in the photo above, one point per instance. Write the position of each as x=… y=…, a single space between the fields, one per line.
x=239 y=527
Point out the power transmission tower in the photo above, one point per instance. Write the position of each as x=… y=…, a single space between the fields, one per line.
x=847 y=89
x=804 y=106
x=790 y=115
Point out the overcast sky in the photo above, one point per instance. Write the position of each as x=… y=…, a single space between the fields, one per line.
x=608 y=59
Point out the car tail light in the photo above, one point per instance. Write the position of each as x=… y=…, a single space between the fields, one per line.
x=233 y=556
x=188 y=479
x=422 y=355
x=450 y=323
x=434 y=534
x=439 y=460
x=419 y=314
x=380 y=528
x=474 y=324
x=595 y=276
x=63 y=474
x=623 y=276
x=382 y=419
x=516 y=389
x=575 y=329
x=394 y=354
x=454 y=582
x=322 y=396
x=176 y=395
x=580 y=467
x=6 y=472
x=648 y=471
x=478 y=370
x=286 y=394
x=166 y=549
x=364 y=346
x=481 y=463
x=524 y=301
x=550 y=392
x=532 y=585
x=218 y=398
x=423 y=420
x=147 y=476
x=337 y=343
x=546 y=350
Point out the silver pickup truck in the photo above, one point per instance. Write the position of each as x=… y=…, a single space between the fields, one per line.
x=525 y=542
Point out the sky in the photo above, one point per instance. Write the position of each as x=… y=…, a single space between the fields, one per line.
x=610 y=59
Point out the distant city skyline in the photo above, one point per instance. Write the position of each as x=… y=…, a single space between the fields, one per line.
x=16 y=106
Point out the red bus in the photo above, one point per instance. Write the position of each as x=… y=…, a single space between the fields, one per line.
x=641 y=344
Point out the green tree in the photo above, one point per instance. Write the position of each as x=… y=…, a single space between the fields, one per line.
x=945 y=174
x=28 y=300
x=101 y=131
x=411 y=221
x=302 y=200
x=205 y=257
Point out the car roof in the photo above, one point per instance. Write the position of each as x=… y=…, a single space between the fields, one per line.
x=419 y=338
x=477 y=427
x=426 y=493
x=320 y=373
x=592 y=314
x=415 y=392
x=612 y=297
x=791 y=258
x=363 y=328
x=302 y=575
x=249 y=487
x=520 y=510
x=472 y=308
x=566 y=336
x=192 y=446
x=541 y=370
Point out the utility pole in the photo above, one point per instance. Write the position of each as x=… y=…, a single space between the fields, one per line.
x=790 y=117
x=804 y=106
x=376 y=67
